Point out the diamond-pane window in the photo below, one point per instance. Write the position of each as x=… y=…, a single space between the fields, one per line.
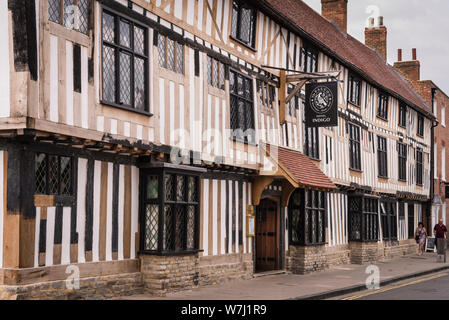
x=72 y=14
x=242 y=113
x=171 y=54
x=243 y=23
x=172 y=229
x=53 y=175
x=125 y=79
x=54 y=10
x=40 y=170
x=151 y=227
x=125 y=49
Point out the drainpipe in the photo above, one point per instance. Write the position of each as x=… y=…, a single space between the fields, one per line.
x=432 y=157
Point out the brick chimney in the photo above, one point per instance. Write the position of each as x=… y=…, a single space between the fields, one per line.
x=336 y=11
x=376 y=36
x=409 y=69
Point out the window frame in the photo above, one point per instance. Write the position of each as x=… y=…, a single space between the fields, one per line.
x=62 y=13
x=72 y=192
x=389 y=220
x=420 y=126
x=308 y=52
x=267 y=93
x=248 y=117
x=382 y=106
x=161 y=202
x=220 y=82
x=176 y=43
x=355 y=153
x=131 y=51
x=382 y=157
x=311 y=138
x=304 y=226
x=402 y=161
x=419 y=167
x=363 y=219
x=411 y=222
x=352 y=79
x=253 y=32
x=402 y=121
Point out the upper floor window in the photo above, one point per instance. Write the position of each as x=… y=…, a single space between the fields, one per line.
x=125 y=63
x=171 y=54
x=355 y=162
x=72 y=14
x=267 y=94
x=402 y=161
x=420 y=127
x=293 y=105
x=215 y=73
x=311 y=139
x=402 y=115
x=382 y=158
x=242 y=106
x=309 y=59
x=244 y=18
x=419 y=167
x=354 y=90
x=382 y=110
x=53 y=175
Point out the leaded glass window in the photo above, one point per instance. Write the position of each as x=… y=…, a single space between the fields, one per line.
x=72 y=14
x=266 y=93
x=420 y=127
x=419 y=167
x=309 y=59
x=171 y=54
x=363 y=218
x=53 y=175
x=354 y=90
x=215 y=73
x=382 y=157
x=389 y=219
x=402 y=115
x=307 y=217
x=171 y=209
x=355 y=162
x=125 y=61
x=402 y=161
x=382 y=110
x=242 y=107
x=243 y=25
x=311 y=143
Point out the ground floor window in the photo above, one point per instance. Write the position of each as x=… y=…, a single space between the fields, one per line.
x=307 y=216
x=363 y=218
x=411 y=220
x=388 y=220
x=170 y=211
x=53 y=174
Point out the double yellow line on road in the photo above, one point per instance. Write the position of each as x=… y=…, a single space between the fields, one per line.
x=395 y=287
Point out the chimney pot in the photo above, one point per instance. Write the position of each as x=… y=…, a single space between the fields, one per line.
x=377 y=37
x=414 y=54
x=371 y=22
x=381 y=21
x=399 y=55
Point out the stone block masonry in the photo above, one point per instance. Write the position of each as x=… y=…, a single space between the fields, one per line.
x=303 y=260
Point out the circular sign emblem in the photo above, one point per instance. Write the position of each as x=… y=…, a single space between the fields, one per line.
x=321 y=100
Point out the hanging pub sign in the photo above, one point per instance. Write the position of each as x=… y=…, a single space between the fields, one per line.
x=321 y=104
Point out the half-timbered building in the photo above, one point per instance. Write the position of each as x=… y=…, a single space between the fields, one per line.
x=161 y=144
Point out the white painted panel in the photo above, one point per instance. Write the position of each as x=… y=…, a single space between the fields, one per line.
x=223 y=216
x=109 y=212
x=81 y=208
x=190 y=11
x=172 y=113
x=96 y=220
x=244 y=218
x=50 y=237
x=36 y=238
x=206 y=216
x=54 y=79
x=121 y=211
x=134 y=208
x=182 y=136
x=5 y=100
x=229 y=235
x=84 y=88
x=178 y=9
x=65 y=250
x=200 y=14
x=2 y=205
x=162 y=110
x=237 y=213
x=214 y=217
x=69 y=82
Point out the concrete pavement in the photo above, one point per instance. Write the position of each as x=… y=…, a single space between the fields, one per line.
x=326 y=284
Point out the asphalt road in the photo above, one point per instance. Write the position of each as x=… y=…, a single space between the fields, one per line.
x=430 y=287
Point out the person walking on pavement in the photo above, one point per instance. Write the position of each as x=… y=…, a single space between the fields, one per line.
x=421 y=237
x=440 y=231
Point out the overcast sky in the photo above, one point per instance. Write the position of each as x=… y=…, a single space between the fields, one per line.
x=420 y=24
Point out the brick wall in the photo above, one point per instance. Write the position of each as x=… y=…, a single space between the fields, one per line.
x=376 y=37
x=336 y=11
x=303 y=260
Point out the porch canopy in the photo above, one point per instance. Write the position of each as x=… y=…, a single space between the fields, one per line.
x=296 y=170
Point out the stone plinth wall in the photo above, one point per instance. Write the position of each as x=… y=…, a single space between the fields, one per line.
x=94 y=288
x=365 y=252
x=307 y=259
x=164 y=274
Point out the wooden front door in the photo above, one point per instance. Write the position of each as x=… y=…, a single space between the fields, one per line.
x=266 y=236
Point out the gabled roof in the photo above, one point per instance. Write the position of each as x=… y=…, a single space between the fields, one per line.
x=351 y=52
